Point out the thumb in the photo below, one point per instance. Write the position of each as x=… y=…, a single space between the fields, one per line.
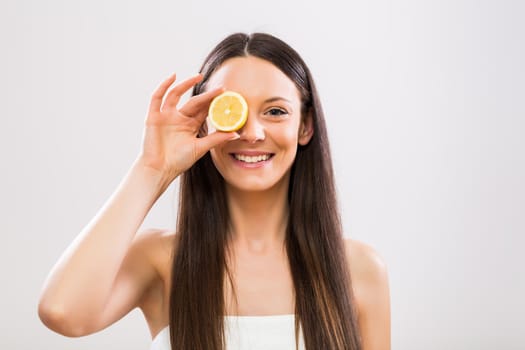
x=216 y=138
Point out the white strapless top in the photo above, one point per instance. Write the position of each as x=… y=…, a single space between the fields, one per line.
x=276 y=332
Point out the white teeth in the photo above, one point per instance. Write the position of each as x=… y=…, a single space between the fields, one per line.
x=250 y=159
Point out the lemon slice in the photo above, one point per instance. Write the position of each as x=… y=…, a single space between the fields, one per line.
x=228 y=111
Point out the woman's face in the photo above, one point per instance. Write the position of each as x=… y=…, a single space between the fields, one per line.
x=263 y=155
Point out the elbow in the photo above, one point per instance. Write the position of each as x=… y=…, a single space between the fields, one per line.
x=58 y=320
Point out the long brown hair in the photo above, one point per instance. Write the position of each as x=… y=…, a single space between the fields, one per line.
x=324 y=306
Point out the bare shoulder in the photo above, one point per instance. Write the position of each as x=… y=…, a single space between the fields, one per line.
x=156 y=247
x=155 y=238
x=365 y=262
x=156 y=244
x=371 y=291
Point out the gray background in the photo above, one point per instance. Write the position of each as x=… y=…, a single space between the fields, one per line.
x=425 y=108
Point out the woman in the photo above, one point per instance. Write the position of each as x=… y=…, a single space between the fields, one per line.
x=258 y=260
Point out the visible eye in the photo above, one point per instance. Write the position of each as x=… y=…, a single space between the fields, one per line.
x=276 y=112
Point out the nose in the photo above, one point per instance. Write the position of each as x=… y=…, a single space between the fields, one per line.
x=253 y=130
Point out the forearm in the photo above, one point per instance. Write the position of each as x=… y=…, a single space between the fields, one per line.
x=80 y=282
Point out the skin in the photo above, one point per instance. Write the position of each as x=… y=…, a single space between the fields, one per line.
x=134 y=270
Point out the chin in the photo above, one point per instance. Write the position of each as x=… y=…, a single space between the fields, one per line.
x=252 y=185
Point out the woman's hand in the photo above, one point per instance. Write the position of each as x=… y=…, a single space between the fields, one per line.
x=170 y=143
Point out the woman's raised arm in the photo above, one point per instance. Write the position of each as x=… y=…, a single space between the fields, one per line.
x=105 y=271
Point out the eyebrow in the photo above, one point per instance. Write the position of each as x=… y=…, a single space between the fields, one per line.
x=276 y=98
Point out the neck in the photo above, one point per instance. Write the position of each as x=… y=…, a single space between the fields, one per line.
x=259 y=219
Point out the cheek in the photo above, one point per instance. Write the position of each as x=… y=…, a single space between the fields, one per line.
x=286 y=136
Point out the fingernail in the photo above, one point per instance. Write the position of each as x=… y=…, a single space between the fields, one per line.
x=234 y=136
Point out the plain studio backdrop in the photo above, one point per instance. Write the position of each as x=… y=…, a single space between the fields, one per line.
x=425 y=109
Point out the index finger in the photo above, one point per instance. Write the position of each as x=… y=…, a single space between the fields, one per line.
x=173 y=96
x=199 y=102
x=156 y=98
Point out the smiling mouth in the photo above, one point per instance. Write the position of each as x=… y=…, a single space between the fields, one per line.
x=252 y=159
